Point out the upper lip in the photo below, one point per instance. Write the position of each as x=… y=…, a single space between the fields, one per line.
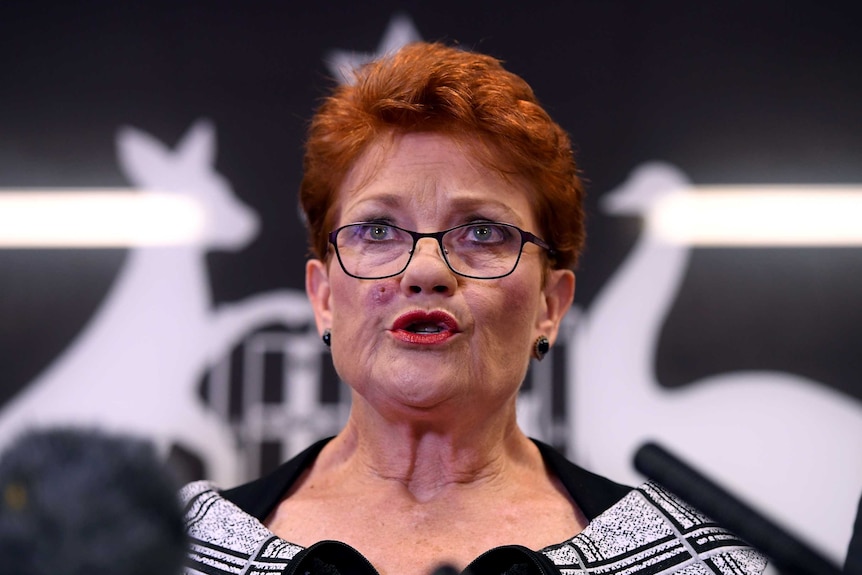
x=418 y=317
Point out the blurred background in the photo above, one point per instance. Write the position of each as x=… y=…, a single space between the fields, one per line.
x=209 y=348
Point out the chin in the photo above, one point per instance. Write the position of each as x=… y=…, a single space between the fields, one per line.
x=424 y=396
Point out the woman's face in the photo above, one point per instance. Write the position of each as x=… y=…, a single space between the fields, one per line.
x=479 y=334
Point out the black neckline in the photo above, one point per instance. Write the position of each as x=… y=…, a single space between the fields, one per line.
x=592 y=493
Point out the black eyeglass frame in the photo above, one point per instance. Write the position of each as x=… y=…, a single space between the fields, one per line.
x=526 y=237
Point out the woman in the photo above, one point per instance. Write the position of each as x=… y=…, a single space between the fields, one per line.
x=445 y=217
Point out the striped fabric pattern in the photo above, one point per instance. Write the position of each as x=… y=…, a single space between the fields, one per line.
x=648 y=532
x=652 y=532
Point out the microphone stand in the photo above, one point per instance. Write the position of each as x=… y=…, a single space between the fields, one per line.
x=787 y=553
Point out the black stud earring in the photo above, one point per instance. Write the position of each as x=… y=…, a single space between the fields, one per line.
x=327 y=337
x=541 y=347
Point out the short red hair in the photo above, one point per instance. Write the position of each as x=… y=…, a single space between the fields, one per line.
x=435 y=88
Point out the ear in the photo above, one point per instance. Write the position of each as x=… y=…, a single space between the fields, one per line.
x=558 y=294
x=319 y=292
x=140 y=155
x=198 y=145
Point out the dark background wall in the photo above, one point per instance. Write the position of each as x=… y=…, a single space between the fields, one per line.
x=730 y=92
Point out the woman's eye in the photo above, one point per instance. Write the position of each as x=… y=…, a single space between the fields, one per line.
x=377 y=232
x=486 y=233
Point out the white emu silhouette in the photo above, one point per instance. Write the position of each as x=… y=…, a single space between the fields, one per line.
x=135 y=367
x=790 y=446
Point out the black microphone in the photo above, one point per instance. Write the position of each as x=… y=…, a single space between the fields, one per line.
x=788 y=554
x=75 y=502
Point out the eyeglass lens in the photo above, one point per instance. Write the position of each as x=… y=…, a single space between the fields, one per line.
x=481 y=250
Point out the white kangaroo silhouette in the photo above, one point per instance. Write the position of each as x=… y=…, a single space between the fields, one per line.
x=136 y=365
x=788 y=445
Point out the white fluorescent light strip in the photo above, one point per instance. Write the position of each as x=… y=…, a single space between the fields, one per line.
x=734 y=216
x=767 y=216
x=97 y=218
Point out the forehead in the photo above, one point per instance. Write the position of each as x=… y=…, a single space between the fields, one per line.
x=433 y=174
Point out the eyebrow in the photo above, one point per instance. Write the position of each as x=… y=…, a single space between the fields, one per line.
x=461 y=204
x=468 y=204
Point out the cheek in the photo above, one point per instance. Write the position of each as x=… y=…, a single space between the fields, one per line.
x=381 y=293
x=520 y=302
x=509 y=313
x=351 y=295
x=519 y=320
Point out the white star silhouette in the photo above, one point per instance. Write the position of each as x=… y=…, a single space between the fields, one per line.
x=343 y=63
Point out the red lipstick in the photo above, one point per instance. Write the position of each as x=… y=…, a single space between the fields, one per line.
x=423 y=327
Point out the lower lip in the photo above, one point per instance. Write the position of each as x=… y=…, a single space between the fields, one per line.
x=422 y=338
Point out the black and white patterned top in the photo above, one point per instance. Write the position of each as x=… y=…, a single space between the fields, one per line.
x=645 y=531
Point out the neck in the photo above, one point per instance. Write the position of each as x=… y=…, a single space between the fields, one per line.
x=430 y=456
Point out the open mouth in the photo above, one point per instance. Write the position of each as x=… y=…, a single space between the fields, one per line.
x=425 y=327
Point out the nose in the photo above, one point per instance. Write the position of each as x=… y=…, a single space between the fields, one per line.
x=427 y=271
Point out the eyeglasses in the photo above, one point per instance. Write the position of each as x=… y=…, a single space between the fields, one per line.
x=480 y=250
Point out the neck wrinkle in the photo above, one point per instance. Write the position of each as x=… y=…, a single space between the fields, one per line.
x=428 y=460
